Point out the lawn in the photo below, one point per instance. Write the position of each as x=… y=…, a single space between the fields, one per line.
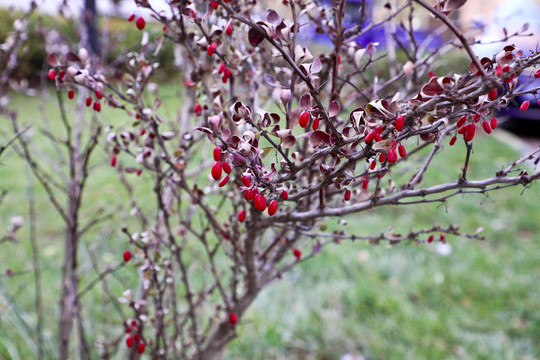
x=481 y=300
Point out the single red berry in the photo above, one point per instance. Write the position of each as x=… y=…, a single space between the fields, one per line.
x=129 y=341
x=402 y=151
x=304 y=119
x=229 y=29
x=224 y=181
x=198 y=109
x=97 y=106
x=461 y=121
x=140 y=348
x=400 y=123
x=139 y=172
x=217 y=153
x=382 y=157
x=272 y=207
x=224 y=79
x=372 y=164
x=537 y=74
x=471 y=130
x=210 y=50
x=242 y=216
x=476 y=117
x=493 y=122
x=260 y=202
x=214 y=4
x=498 y=70
x=378 y=137
x=98 y=94
x=127 y=255
x=113 y=161
x=431 y=74
x=227 y=72
x=506 y=68
x=347 y=195
x=221 y=68
x=453 y=140
x=233 y=318
x=297 y=253
x=492 y=94
x=378 y=129
x=128 y=330
x=216 y=170
x=140 y=23
x=245 y=181
x=369 y=137
x=430 y=239
x=9 y=272
x=442 y=238
x=251 y=194
x=365 y=183
x=285 y=195
x=131 y=17
x=227 y=167
x=525 y=105
x=392 y=155
x=486 y=126
x=52 y=74
x=214 y=45
x=315 y=124
x=61 y=74
x=462 y=130
x=71 y=94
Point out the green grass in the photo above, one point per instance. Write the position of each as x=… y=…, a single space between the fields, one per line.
x=385 y=302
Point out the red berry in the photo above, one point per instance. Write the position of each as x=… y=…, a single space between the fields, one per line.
x=347 y=195
x=227 y=72
x=469 y=134
x=260 y=202
x=492 y=94
x=61 y=74
x=382 y=157
x=129 y=341
x=198 y=109
x=365 y=183
x=224 y=79
x=216 y=170
x=379 y=129
x=506 y=68
x=402 y=151
x=97 y=106
x=140 y=23
x=369 y=137
x=284 y=195
x=453 y=140
x=486 y=126
x=431 y=74
x=113 y=161
x=537 y=74
x=315 y=124
x=233 y=318
x=372 y=164
x=462 y=130
x=245 y=181
x=272 y=207
x=392 y=155
x=210 y=50
x=229 y=29
x=251 y=194
x=442 y=238
x=127 y=255
x=400 y=123
x=297 y=253
x=378 y=137
x=131 y=17
x=525 y=105
x=214 y=4
x=221 y=68
x=304 y=119
x=493 y=122
x=498 y=70
x=217 y=153
x=98 y=94
x=52 y=74
x=430 y=239
x=71 y=94
x=461 y=121
x=476 y=117
x=140 y=348
x=242 y=216
x=227 y=167
x=224 y=181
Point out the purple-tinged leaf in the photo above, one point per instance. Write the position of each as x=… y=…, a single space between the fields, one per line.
x=52 y=59
x=273 y=17
x=319 y=138
x=316 y=66
x=305 y=101
x=255 y=37
x=333 y=110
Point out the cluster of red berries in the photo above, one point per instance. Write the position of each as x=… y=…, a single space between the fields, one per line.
x=97 y=104
x=442 y=238
x=223 y=69
x=134 y=338
x=139 y=23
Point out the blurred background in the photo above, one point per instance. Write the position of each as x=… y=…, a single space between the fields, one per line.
x=461 y=300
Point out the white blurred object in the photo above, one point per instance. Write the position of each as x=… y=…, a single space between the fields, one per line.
x=352 y=357
x=443 y=249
